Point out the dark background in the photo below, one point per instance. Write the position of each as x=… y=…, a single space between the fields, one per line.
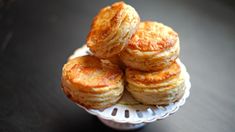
x=37 y=36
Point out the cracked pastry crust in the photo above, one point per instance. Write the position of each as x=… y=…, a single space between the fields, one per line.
x=92 y=83
x=153 y=47
x=111 y=29
x=156 y=88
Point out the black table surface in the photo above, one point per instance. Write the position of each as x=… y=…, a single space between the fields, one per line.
x=37 y=37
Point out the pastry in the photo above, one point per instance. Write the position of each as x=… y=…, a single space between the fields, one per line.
x=153 y=47
x=156 y=88
x=111 y=29
x=92 y=83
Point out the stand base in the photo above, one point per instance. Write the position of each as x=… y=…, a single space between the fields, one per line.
x=121 y=126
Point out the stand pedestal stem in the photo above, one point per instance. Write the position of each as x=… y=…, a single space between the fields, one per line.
x=121 y=126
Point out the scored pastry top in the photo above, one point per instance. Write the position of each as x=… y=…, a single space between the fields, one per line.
x=153 y=36
x=90 y=72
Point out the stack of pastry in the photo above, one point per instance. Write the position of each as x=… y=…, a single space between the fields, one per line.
x=153 y=74
x=145 y=51
x=90 y=80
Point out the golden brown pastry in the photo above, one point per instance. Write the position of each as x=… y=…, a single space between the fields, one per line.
x=156 y=88
x=111 y=29
x=92 y=83
x=153 y=47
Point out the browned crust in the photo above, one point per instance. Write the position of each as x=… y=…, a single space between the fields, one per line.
x=153 y=77
x=100 y=31
x=111 y=29
x=89 y=72
x=153 y=36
